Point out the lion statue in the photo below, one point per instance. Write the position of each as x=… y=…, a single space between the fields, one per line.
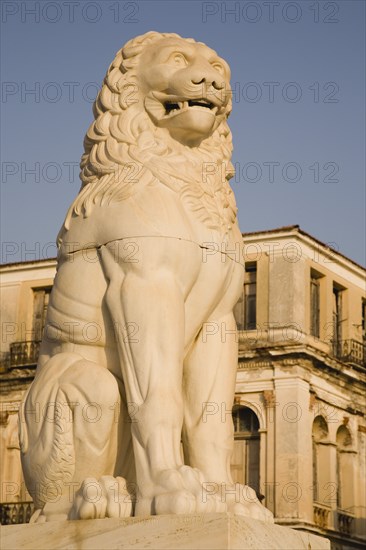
x=116 y=422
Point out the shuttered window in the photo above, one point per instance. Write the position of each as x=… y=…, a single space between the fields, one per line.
x=246 y=456
x=315 y=306
x=41 y=298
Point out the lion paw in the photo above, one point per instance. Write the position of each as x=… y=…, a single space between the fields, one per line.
x=106 y=497
x=242 y=501
x=179 y=491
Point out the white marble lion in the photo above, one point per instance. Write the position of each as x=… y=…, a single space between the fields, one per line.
x=115 y=422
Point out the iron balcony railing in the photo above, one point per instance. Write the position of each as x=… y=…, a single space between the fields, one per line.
x=4 y=361
x=350 y=351
x=26 y=353
x=12 y=513
x=23 y=354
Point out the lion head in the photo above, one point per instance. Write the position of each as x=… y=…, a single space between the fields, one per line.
x=164 y=101
x=185 y=86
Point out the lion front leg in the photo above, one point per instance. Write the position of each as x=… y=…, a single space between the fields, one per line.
x=208 y=433
x=150 y=298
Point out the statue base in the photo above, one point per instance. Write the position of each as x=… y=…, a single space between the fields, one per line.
x=212 y=531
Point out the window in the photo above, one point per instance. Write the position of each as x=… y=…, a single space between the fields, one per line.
x=315 y=304
x=250 y=296
x=246 y=455
x=363 y=313
x=337 y=320
x=345 y=469
x=245 y=311
x=41 y=298
x=321 y=461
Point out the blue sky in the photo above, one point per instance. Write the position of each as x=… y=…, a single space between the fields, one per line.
x=297 y=122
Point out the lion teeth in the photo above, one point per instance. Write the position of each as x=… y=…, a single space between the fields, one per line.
x=173 y=107
x=200 y=103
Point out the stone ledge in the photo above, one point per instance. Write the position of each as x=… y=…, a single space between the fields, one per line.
x=196 y=531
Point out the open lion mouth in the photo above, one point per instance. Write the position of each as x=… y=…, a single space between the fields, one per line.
x=173 y=107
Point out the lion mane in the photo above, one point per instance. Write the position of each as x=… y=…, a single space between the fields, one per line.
x=125 y=150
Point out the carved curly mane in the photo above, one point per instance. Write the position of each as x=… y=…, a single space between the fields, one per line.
x=125 y=150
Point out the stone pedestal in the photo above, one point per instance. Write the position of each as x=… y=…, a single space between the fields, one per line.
x=209 y=531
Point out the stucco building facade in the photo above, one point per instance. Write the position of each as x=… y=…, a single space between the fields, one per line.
x=299 y=410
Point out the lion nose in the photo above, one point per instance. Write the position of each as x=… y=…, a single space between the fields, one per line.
x=209 y=81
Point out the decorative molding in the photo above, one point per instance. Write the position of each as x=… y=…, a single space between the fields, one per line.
x=269 y=398
x=312 y=400
x=4 y=416
x=237 y=399
x=247 y=365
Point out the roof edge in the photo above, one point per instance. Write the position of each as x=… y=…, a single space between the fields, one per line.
x=297 y=229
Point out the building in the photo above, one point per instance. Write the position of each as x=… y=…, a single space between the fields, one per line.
x=25 y=288
x=300 y=394
x=299 y=410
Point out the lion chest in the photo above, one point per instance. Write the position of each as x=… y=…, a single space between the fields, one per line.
x=219 y=284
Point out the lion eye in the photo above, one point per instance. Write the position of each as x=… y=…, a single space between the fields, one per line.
x=218 y=67
x=179 y=60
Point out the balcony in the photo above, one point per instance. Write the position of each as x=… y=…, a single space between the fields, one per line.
x=12 y=513
x=351 y=352
x=4 y=361
x=23 y=354
x=345 y=522
x=321 y=516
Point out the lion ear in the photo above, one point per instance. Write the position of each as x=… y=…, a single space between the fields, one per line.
x=131 y=51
